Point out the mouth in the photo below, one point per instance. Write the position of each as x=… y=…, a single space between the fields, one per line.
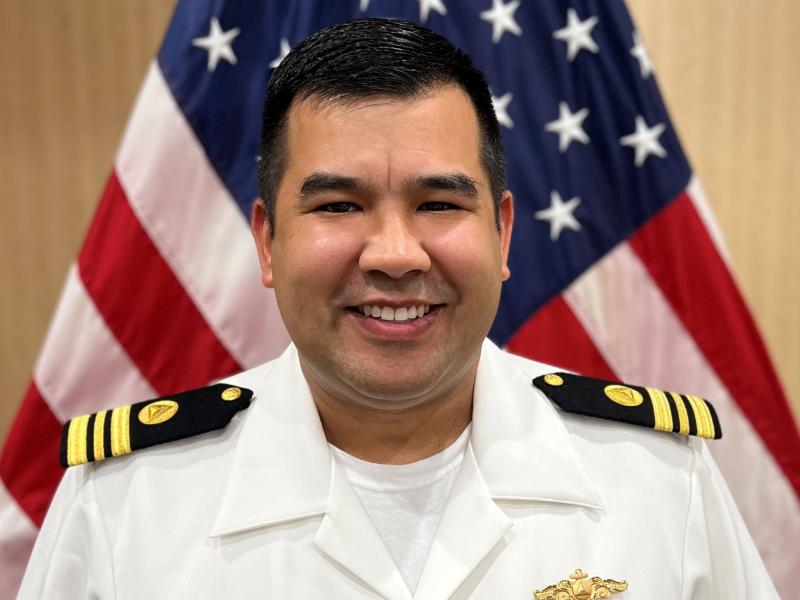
x=393 y=313
x=404 y=321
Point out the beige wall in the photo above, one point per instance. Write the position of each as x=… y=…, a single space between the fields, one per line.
x=729 y=72
x=70 y=70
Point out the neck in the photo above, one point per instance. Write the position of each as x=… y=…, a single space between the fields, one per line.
x=397 y=436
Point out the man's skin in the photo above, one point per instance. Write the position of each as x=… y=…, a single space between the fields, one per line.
x=384 y=202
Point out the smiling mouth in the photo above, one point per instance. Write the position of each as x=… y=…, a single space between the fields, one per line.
x=394 y=314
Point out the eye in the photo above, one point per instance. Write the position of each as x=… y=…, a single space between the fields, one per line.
x=437 y=206
x=338 y=207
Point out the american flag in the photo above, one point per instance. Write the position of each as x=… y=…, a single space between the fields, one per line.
x=619 y=270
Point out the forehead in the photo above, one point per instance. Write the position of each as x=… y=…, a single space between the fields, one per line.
x=385 y=139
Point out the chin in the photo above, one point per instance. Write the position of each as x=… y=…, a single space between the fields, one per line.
x=396 y=393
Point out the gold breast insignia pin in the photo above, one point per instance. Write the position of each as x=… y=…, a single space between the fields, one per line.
x=580 y=586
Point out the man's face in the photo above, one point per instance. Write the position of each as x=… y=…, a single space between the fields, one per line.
x=384 y=206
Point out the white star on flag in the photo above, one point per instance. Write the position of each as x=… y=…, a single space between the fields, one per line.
x=560 y=215
x=577 y=34
x=501 y=109
x=364 y=5
x=218 y=44
x=568 y=126
x=645 y=140
x=501 y=16
x=285 y=49
x=639 y=51
x=425 y=7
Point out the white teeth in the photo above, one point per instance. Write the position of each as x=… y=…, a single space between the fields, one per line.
x=388 y=313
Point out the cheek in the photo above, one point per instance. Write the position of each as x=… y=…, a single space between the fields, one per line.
x=470 y=257
x=315 y=259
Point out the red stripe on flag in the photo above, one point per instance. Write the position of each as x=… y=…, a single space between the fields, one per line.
x=555 y=336
x=144 y=304
x=676 y=249
x=29 y=464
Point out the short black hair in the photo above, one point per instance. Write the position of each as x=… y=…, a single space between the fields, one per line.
x=367 y=58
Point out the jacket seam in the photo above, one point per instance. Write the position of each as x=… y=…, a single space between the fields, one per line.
x=90 y=481
x=686 y=522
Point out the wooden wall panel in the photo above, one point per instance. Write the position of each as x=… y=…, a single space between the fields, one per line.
x=69 y=72
x=71 y=68
x=729 y=72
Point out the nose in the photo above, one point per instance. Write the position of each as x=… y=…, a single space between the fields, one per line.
x=393 y=247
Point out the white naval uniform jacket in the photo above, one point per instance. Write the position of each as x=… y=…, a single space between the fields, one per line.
x=261 y=510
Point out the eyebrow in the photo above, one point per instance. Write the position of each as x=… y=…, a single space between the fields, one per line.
x=458 y=183
x=317 y=183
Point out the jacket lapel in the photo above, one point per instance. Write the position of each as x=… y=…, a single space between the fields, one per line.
x=471 y=526
x=348 y=537
x=522 y=447
x=281 y=466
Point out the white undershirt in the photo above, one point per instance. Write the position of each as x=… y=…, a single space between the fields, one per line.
x=406 y=502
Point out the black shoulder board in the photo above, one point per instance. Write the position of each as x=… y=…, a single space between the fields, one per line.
x=644 y=406
x=122 y=430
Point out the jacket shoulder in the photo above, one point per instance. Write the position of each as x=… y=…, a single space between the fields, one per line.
x=125 y=429
x=637 y=405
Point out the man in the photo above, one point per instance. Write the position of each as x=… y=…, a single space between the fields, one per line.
x=390 y=451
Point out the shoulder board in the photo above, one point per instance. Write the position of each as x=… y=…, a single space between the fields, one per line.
x=644 y=406
x=122 y=430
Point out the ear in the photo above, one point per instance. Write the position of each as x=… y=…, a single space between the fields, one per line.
x=262 y=235
x=506 y=212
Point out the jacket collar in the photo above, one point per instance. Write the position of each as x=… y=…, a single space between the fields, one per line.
x=281 y=467
x=520 y=444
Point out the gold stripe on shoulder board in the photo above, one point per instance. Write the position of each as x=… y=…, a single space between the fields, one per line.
x=99 y=446
x=121 y=431
x=683 y=415
x=702 y=416
x=76 y=440
x=661 y=411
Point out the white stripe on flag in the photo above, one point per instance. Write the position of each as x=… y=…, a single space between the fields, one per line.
x=17 y=536
x=698 y=197
x=635 y=328
x=82 y=367
x=643 y=341
x=196 y=226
